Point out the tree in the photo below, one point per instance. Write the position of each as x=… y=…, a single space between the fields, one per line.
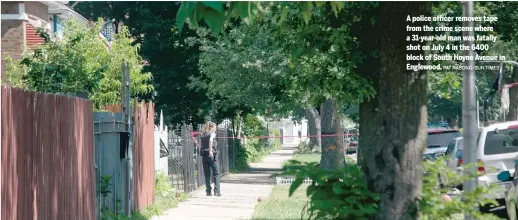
x=106 y=9
x=80 y=62
x=250 y=66
x=167 y=54
x=397 y=115
x=507 y=45
x=245 y=70
x=445 y=95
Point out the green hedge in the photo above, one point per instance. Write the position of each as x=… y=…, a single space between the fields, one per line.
x=255 y=148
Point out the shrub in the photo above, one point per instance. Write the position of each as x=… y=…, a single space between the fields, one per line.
x=166 y=197
x=276 y=141
x=432 y=205
x=304 y=148
x=255 y=148
x=335 y=194
x=343 y=194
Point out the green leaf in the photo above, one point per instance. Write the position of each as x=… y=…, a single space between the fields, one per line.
x=218 y=6
x=243 y=9
x=186 y=9
x=295 y=185
x=200 y=11
x=214 y=20
x=310 y=190
x=284 y=14
x=337 y=7
x=307 y=11
x=337 y=188
x=320 y=3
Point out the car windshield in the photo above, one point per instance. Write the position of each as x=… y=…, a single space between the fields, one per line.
x=441 y=139
x=505 y=141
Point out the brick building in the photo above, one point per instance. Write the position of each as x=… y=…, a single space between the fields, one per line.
x=20 y=21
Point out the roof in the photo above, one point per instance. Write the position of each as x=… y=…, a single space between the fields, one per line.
x=437 y=131
x=500 y=125
x=62 y=10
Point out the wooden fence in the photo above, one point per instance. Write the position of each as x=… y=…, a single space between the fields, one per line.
x=47 y=156
x=143 y=155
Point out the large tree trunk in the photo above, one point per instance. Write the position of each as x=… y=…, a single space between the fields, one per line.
x=393 y=130
x=333 y=156
x=314 y=128
x=512 y=115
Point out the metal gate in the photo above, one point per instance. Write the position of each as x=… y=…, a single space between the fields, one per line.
x=185 y=163
x=111 y=164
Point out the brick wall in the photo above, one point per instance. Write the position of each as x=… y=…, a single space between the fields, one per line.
x=32 y=37
x=13 y=35
x=17 y=35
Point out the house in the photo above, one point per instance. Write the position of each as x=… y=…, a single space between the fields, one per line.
x=20 y=21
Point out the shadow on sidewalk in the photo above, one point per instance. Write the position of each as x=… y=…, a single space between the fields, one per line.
x=253 y=176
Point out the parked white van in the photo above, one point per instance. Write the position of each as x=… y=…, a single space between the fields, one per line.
x=497 y=148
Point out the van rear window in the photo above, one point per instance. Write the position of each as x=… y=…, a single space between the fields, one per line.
x=441 y=139
x=505 y=141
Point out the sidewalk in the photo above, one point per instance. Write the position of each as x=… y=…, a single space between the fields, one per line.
x=239 y=192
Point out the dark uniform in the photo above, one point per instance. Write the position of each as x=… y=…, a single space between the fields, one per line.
x=210 y=163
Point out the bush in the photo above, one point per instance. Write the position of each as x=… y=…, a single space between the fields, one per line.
x=432 y=205
x=335 y=194
x=255 y=148
x=166 y=197
x=304 y=148
x=343 y=194
x=276 y=141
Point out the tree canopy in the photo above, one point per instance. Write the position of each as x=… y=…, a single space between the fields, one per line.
x=81 y=62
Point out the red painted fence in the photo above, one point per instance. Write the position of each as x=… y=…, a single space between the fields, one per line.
x=47 y=157
x=143 y=155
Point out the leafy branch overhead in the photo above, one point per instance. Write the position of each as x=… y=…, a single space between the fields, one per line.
x=215 y=13
x=252 y=65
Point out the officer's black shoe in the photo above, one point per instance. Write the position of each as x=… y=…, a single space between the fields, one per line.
x=209 y=194
x=217 y=194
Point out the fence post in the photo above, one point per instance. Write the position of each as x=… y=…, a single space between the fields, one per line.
x=126 y=107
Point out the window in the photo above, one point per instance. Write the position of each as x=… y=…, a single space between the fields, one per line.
x=451 y=147
x=505 y=141
x=441 y=139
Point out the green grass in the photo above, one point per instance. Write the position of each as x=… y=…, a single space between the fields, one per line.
x=165 y=198
x=159 y=207
x=307 y=158
x=303 y=158
x=279 y=206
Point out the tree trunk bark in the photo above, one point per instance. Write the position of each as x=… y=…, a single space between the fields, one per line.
x=512 y=115
x=314 y=128
x=239 y=126
x=393 y=125
x=333 y=156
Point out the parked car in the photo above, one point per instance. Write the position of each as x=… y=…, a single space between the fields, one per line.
x=497 y=149
x=351 y=140
x=438 y=140
x=351 y=144
x=454 y=153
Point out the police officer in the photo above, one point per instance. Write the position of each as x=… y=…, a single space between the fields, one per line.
x=209 y=157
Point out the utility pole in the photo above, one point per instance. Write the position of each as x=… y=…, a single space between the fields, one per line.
x=469 y=102
x=478 y=107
